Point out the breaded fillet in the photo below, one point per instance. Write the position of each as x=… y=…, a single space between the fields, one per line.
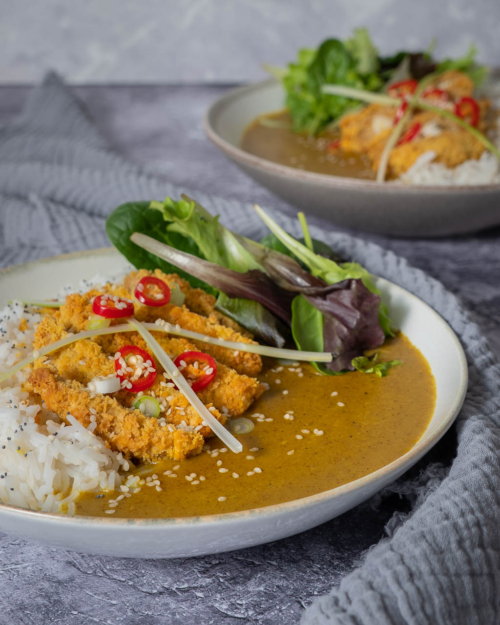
x=85 y=360
x=367 y=131
x=229 y=390
x=197 y=300
x=75 y=313
x=125 y=430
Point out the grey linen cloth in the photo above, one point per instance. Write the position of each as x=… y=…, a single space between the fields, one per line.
x=441 y=564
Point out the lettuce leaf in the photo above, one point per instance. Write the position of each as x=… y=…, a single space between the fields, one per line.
x=466 y=64
x=369 y=364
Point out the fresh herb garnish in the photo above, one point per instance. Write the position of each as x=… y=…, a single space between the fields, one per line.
x=369 y=364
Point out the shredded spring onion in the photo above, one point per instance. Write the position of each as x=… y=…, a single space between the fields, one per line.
x=241 y=425
x=183 y=385
x=41 y=303
x=253 y=348
x=96 y=322
x=148 y=406
x=105 y=385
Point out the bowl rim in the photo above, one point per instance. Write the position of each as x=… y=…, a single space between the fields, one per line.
x=420 y=448
x=217 y=108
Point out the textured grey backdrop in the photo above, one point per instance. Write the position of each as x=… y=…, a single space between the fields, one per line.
x=160 y=41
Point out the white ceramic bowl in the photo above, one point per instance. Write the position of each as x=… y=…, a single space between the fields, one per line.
x=169 y=538
x=389 y=208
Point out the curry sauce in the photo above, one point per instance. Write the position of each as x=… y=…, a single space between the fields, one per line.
x=270 y=137
x=342 y=428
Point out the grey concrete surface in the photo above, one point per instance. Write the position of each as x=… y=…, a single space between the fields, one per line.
x=141 y=41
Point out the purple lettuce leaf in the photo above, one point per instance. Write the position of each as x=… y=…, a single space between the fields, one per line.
x=350 y=322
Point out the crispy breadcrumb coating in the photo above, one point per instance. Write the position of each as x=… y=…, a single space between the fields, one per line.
x=125 y=430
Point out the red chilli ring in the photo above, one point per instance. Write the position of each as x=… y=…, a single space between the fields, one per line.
x=110 y=308
x=158 y=299
x=189 y=358
x=142 y=383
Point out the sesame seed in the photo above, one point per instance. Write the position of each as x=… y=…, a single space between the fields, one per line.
x=290 y=453
x=257 y=470
x=254 y=449
x=299 y=437
x=285 y=392
x=235 y=475
x=339 y=403
x=250 y=457
x=305 y=431
x=195 y=482
x=250 y=473
x=110 y=511
x=222 y=499
x=219 y=463
x=319 y=432
x=223 y=470
x=334 y=394
x=277 y=381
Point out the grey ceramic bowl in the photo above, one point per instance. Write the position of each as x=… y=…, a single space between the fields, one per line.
x=388 y=208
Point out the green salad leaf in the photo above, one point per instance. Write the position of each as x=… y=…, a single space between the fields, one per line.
x=466 y=64
x=136 y=217
x=351 y=64
x=326 y=269
x=369 y=364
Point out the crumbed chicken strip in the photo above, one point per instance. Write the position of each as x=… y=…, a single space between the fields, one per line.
x=367 y=131
x=84 y=360
x=75 y=313
x=197 y=300
x=125 y=430
x=229 y=392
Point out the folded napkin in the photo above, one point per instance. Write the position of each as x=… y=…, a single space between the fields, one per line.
x=58 y=182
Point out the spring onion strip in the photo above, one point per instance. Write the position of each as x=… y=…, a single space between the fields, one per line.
x=252 y=348
x=379 y=98
x=360 y=94
x=41 y=303
x=396 y=133
x=305 y=231
x=183 y=385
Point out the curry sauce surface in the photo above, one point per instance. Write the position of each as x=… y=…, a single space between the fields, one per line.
x=381 y=419
x=277 y=143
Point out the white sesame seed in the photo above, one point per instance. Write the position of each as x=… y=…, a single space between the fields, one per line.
x=250 y=473
x=299 y=437
x=219 y=463
x=222 y=499
x=223 y=470
x=110 y=511
x=277 y=381
x=177 y=467
x=235 y=475
x=257 y=470
x=250 y=457
x=254 y=449
x=290 y=452
x=172 y=475
x=334 y=394
x=305 y=431
x=194 y=482
x=285 y=392
x=318 y=432
x=339 y=403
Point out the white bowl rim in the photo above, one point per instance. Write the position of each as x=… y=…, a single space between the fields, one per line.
x=418 y=450
x=329 y=180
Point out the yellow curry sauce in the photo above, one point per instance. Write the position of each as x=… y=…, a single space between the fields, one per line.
x=366 y=423
x=281 y=145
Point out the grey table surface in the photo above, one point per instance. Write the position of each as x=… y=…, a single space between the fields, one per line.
x=159 y=127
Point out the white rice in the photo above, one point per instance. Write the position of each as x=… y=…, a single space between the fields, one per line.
x=44 y=466
x=485 y=170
